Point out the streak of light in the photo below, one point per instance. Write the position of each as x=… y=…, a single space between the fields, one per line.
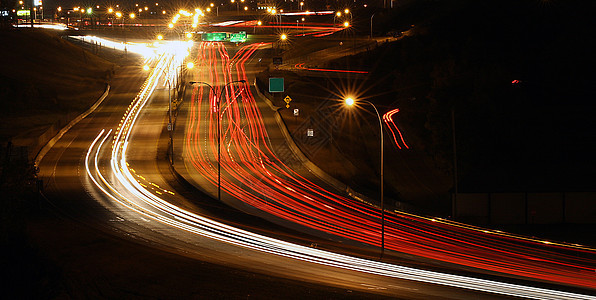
x=302 y=67
x=393 y=129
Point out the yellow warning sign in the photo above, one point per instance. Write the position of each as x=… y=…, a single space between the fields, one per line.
x=287 y=99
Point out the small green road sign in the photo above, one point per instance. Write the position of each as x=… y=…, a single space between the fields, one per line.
x=276 y=85
x=238 y=37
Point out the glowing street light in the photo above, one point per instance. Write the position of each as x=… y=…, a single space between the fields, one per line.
x=350 y=102
x=118 y=14
x=170 y=25
x=160 y=37
x=189 y=35
x=346 y=24
x=132 y=15
x=283 y=37
x=146 y=68
x=190 y=65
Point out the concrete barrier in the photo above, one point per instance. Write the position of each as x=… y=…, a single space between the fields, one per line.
x=472 y=208
x=525 y=208
x=508 y=208
x=44 y=150
x=580 y=208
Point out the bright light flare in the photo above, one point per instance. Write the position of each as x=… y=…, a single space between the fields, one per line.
x=349 y=101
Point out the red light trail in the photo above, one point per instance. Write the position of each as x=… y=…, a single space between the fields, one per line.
x=302 y=67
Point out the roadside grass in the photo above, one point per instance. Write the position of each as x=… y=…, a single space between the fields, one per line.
x=45 y=80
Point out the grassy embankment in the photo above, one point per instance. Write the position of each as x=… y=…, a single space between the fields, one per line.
x=45 y=81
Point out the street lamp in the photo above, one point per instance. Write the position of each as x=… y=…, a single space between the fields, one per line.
x=351 y=102
x=218 y=127
x=337 y=15
x=347 y=11
x=282 y=38
x=237 y=6
x=371 y=19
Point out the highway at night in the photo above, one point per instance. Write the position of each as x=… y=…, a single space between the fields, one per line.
x=113 y=163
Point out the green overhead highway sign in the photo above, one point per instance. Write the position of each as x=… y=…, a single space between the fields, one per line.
x=238 y=37
x=214 y=36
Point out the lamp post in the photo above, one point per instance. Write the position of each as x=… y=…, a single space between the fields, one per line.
x=371 y=18
x=282 y=38
x=348 y=11
x=237 y=6
x=337 y=15
x=351 y=102
x=218 y=128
